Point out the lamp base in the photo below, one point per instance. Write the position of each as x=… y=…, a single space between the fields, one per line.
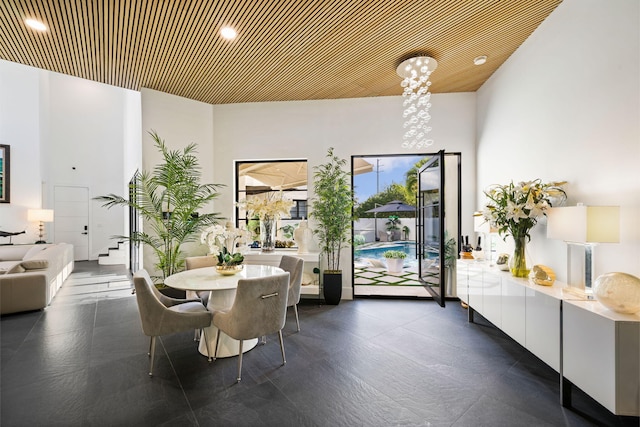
x=40 y=242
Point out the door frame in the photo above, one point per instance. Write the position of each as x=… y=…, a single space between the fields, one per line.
x=457 y=215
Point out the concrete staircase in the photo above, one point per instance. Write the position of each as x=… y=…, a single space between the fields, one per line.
x=116 y=256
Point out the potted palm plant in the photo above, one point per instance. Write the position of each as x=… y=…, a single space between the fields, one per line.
x=169 y=200
x=393 y=225
x=332 y=212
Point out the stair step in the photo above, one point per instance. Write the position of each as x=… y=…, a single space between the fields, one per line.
x=116 y=255
x=118 y=252
x=112 y=261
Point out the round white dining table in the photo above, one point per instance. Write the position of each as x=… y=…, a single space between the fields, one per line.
x=223 y=292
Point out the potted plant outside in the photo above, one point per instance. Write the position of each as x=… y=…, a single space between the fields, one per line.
x=169 y=200
x=405 y=232
x=393 y=225
x=395 y=260
x=332 y=212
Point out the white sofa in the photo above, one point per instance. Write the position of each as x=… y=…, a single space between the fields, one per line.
x=30 y=275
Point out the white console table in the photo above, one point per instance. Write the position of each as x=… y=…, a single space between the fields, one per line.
x=310 y=288
x=591 y=346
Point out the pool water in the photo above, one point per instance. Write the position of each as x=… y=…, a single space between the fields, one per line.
x=377 y=252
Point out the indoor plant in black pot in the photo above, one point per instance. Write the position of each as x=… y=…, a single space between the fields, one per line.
x=332 y=212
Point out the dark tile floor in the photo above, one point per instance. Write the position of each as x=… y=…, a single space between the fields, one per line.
x=370 y=362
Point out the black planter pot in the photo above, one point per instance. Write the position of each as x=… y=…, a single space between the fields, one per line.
x=332 y=286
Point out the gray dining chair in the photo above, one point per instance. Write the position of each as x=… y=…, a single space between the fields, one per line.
x=194 y=262
x=294 y=266
x=259 y=309
x=162 y=315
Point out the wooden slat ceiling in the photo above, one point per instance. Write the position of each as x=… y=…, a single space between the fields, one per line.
x=285 y=50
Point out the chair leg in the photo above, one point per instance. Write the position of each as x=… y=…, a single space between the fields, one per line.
x=206 y=344
x=284 y=360
x=152 y=353
x=215 y=349
x=196 y=335
x=263 y=339
x=295 y=310
x=239 y=360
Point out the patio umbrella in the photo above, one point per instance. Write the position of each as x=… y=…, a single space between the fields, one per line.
x=393 y=207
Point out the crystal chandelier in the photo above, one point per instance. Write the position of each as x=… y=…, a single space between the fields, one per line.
x=415 y=73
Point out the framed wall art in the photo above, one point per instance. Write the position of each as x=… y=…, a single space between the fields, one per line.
x=5 y=174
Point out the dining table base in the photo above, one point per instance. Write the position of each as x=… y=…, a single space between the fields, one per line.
x=227 y=347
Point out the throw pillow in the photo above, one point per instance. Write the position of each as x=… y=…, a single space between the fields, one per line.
x=18 y=268
x=32 y=251
x=35 y=264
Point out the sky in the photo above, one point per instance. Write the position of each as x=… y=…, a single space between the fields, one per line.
x=390 y=169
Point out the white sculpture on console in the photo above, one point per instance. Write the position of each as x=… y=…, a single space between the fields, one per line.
x=303 y=235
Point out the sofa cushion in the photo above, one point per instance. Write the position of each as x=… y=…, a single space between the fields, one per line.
x=34 y=250
x=35 y=264
x=13 y=252
x=22 y=266
x=5 y=266
x=17 y=268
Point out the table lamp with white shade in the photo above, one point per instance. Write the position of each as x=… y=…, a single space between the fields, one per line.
x=42 y=216
x=586 y=226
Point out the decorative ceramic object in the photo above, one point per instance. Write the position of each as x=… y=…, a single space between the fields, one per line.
x=542 y=275
x=619 y=292
x=229 y=270
x=303 y=235
x=503 y=262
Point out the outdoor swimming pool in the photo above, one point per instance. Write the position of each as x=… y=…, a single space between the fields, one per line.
x=377 y=251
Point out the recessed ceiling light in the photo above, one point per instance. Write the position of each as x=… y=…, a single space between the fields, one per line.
x=35 y=24
x=479 y=60
x=228 y=33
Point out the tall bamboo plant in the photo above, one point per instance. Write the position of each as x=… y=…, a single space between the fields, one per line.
x=169 y=200
x=332 y=207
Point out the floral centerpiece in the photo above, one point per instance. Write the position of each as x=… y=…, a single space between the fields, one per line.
x=268 y=208
x=223 y=243
x=515 y=208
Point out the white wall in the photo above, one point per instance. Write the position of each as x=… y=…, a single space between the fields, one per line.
x=55 y=123
x=20 y=128
x=86 y=144
x=305 y=130
x=363 y=126
x=179 y=122
x=566 y=106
